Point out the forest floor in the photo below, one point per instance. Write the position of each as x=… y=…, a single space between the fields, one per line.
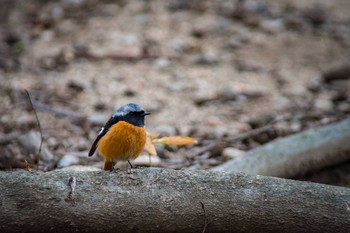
x=206 y=69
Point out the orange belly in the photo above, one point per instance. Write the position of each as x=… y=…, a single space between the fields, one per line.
x=123 y=141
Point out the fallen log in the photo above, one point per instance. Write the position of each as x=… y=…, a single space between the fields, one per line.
x=297 y=154
x=164 y=200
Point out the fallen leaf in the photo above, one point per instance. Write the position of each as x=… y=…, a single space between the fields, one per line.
x=149 y=147
x=175 y=141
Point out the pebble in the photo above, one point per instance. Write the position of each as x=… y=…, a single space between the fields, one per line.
x=344 y=107
x=184 y=46
x=81 y=168
x=283 y=128
x=235 y=43
x=30 y=143
x=261 y=120
x=205 y=60
x=146 y=160
x=67 y=160
x=283 y=103
x=161 y=63
x=231 y=153
x=314 y=85
x=295 y=126
x=272 y=25
x=323 y=102
x=46 y=154
x=124 y=38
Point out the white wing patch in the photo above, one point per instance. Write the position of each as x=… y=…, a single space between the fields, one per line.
x=101 y=130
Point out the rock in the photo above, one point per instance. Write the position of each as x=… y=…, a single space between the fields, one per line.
x=231 y=153
x=147 y=160
x=30 y=143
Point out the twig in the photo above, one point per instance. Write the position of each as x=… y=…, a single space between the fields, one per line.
x=85 y=53
x=206 y=218
x=37 y=120
x=59 y=112
x=27 y=166
x=226 y=141
x=250 y=133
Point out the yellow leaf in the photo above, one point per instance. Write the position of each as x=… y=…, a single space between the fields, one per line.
x=152 y=136
x=149 y=147
x=175 y=141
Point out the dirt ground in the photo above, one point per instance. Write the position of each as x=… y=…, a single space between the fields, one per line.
x=205 y=69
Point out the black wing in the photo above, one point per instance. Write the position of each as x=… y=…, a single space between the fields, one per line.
x=113 y=120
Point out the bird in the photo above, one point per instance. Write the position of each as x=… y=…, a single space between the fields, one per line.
x=123 y=137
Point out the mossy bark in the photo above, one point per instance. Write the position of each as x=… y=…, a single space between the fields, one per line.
x=163 y=200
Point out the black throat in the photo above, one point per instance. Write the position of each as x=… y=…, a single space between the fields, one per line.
x=134 y=120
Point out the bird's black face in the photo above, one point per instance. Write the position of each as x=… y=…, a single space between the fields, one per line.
x=131 y=113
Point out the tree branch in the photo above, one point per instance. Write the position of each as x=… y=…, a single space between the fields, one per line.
x=162 y=200
x=296 y=154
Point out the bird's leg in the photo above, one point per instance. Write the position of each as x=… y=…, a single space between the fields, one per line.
x=129 y=171
x=131 y=166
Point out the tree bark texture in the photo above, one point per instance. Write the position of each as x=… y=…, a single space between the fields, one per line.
x=297 y=154
x=164 y=200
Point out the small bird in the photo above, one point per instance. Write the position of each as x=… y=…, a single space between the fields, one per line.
x=123 y=137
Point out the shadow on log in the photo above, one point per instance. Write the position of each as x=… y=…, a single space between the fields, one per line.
x=162 y=200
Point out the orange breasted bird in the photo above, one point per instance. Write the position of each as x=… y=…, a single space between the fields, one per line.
x=123 y=137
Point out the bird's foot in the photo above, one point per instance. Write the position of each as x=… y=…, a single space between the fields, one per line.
x=115 y=170
x=130 y=170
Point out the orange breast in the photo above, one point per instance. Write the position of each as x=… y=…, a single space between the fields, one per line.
x=123 y=141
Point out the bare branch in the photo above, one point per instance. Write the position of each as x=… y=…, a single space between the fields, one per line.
x=37 y=120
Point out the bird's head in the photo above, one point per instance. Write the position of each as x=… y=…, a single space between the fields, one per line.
x=131 y=113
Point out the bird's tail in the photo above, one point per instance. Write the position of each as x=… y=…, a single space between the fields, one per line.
x=109 y=165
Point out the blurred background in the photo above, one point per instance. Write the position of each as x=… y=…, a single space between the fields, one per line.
x=212 y=70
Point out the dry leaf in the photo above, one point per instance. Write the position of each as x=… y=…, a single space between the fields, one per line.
x=152 y=136
x=149 y=147
x=175 y=141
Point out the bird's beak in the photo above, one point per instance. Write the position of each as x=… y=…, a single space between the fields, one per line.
x=146 y=113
